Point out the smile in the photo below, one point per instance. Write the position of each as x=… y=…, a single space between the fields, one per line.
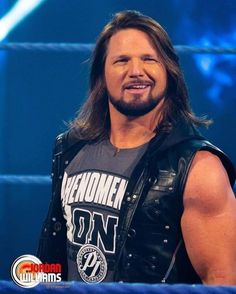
x=137 y=85
x=137 y=88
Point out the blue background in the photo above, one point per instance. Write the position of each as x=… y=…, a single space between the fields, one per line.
x=39 y=92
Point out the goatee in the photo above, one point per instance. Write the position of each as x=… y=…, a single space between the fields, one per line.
x=136 y=107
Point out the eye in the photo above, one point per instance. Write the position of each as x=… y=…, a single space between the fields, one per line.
x=150 y=59
x=122 y=60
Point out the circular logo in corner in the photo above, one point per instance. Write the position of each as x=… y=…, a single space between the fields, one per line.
x=92 y=264
x=21 y=272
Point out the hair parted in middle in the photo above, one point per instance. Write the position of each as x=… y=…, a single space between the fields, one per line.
x=93 y=121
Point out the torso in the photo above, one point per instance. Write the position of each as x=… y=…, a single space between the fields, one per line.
x=92 y=190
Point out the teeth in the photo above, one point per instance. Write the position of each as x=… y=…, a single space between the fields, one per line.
x=138 y=87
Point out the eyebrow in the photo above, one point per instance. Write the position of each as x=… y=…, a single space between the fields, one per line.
x=142 y=56
x=120 y=56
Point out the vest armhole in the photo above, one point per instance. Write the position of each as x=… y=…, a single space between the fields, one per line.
x=206 y=146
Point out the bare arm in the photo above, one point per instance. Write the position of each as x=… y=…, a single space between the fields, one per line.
x=209 y=221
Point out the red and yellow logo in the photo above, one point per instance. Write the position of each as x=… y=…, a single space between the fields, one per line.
x=28 y=271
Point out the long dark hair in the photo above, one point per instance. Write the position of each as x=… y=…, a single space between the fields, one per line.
x=93 y=121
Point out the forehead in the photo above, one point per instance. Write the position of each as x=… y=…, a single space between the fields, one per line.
x=128 y=41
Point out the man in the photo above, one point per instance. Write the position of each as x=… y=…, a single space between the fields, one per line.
x=138 y=194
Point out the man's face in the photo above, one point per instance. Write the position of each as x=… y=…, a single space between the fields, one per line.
x=134 y=73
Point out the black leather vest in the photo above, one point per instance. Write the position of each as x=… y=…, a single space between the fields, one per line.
x=154 y=250
x=150 y=247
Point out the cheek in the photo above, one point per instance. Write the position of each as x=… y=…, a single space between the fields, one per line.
x=111 y=83
x=161 y=75
x=157 y=71
x=113 y=79
x=161 y=81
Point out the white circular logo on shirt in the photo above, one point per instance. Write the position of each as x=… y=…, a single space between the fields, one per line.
x=92 y=264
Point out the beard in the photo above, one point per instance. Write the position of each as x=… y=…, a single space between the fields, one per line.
x=136 y=107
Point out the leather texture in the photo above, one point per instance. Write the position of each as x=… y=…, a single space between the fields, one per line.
x=150 y=247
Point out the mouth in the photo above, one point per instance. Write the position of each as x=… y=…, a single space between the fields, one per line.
x=137 y=87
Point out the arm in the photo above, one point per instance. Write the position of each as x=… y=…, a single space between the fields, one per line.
x=209 y=220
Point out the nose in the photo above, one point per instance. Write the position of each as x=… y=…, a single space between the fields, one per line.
x=135 y=68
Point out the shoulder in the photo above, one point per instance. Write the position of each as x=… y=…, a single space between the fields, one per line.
x=201 y=149
x=66 y=141
x=207 y=186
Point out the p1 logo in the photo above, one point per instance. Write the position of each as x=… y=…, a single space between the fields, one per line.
x=92 y=264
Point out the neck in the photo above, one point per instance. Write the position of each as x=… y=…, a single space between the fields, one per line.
x=130 y=132
x=130 y=136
